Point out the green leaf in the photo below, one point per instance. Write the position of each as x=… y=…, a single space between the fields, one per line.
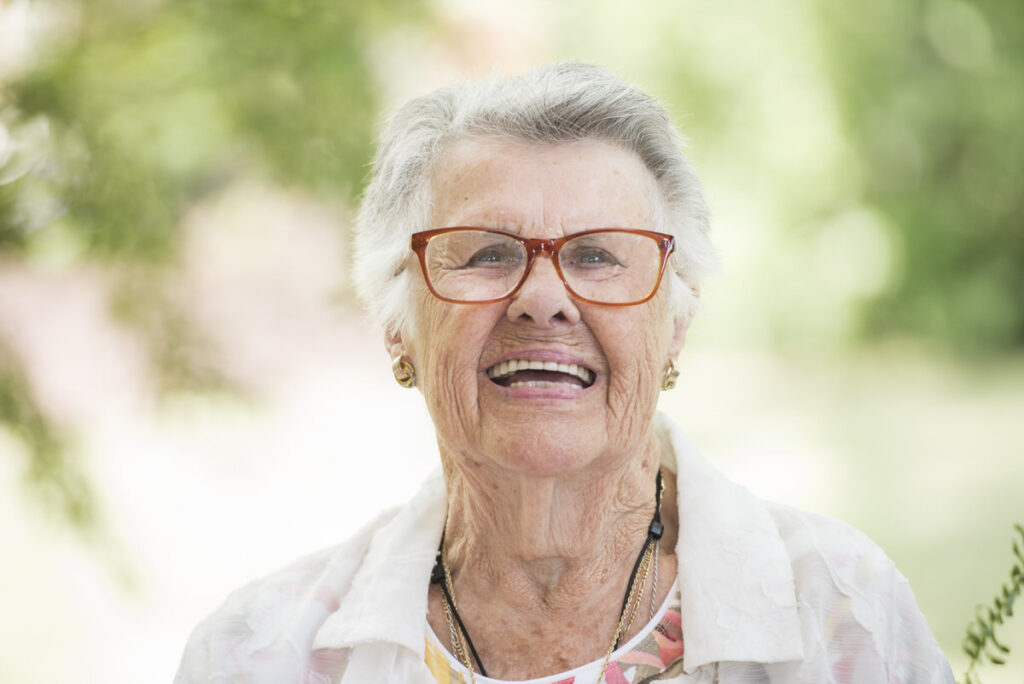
x=1000 y=646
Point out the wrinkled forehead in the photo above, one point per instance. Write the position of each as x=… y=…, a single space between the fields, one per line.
x=546 y=189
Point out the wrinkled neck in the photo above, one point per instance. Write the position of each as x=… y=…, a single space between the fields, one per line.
x=549 y=543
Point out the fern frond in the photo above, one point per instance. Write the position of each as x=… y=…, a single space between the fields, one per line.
x=980 y=642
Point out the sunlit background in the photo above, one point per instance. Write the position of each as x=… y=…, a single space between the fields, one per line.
x=190 y=396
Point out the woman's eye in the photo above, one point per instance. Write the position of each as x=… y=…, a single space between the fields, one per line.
x=493 y=256
x=594 y=257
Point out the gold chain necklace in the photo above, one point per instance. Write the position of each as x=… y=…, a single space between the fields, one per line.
x=622 y=630
x=463 y=645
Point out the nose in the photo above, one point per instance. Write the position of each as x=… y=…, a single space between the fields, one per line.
x=543 y=299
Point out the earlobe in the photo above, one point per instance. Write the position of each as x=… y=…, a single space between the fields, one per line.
x=401 y=365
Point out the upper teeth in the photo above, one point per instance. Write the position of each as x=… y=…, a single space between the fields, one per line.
x=506 y=368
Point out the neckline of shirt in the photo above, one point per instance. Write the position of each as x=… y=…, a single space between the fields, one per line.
x=584 y=670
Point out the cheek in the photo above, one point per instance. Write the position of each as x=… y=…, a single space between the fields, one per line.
x=636 y=356
x=448 y=339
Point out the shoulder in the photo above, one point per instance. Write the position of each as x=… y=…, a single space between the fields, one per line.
x=767 y=583
x=820 y=546
x=856 y=608
x=274 y=615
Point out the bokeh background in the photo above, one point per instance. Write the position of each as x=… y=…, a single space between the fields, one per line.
x=191 y=397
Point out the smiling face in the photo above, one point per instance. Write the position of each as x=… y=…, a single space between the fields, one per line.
x=541 y=383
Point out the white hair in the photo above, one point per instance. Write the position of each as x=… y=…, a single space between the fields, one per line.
x=558 y=103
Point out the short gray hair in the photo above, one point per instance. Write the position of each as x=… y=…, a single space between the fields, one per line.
x=561 y=102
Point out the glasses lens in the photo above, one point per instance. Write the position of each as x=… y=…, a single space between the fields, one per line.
x=611 y=267
x=474 y=265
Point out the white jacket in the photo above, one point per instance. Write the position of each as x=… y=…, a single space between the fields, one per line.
x=769 y=595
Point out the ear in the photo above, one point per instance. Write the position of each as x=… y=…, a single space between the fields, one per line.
x=682 y=322
x=394 y=344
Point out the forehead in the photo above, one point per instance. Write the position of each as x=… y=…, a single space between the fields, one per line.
x=549 y=189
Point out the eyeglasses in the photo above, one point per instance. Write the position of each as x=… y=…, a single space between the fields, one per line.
x=612 y=266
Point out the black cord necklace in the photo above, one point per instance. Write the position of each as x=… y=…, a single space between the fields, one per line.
x=439 y=575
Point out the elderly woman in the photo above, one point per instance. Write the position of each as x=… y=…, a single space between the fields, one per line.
x=533 y=248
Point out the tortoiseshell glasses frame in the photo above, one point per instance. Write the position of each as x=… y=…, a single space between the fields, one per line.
x=532 y=247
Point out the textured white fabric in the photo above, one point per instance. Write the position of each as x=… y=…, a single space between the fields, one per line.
x=769 y=595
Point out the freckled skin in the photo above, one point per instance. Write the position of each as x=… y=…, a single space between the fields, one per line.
x=549 y=497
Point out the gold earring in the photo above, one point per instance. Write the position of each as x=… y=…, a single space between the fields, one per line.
x=404 y=372
x=669 y=376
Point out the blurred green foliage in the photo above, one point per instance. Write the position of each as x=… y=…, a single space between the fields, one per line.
x=135 y=112
x=53 y=475
x=931 y=96
x=151 y=108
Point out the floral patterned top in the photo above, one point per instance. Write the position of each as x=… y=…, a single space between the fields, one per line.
x=655 y=654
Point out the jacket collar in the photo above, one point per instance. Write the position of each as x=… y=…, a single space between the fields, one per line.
x=735 y=577
x=738 y=593
x=387 y=599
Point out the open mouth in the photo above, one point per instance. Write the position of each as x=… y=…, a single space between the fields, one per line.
x=523 y=373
